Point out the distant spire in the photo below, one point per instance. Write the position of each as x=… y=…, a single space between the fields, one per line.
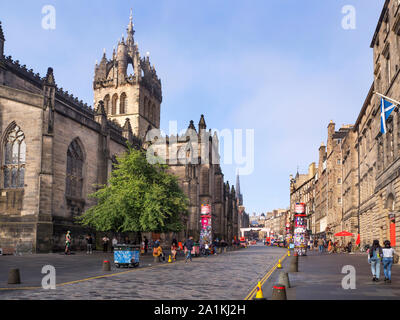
x=239 y=196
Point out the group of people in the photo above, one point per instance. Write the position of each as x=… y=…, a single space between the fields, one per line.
x=187 y=248
x=89 y=243
x=158 y=251
x=329 y=246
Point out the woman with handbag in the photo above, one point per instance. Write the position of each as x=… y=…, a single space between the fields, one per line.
x=374 y=258
x=387 y=260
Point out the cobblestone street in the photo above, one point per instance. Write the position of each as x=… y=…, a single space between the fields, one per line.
x=227 y=276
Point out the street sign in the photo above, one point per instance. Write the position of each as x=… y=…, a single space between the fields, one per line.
x=205 y=209
x=300 y=208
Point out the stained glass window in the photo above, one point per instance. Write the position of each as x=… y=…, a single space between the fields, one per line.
x=14 y=159
x=74 y=180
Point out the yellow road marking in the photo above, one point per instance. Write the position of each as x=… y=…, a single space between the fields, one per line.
x=252 y=293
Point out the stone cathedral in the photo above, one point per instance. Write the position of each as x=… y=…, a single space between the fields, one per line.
x=55 y=150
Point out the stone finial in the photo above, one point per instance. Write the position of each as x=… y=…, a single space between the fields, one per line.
x=127 y=126
x=191 y=125
x=100 y=109
x=202 y=123
x=49 y=79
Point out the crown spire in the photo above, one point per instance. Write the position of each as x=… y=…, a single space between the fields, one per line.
x=130 y=32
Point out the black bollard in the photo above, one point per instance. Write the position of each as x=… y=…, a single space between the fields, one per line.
x=106 y=265
x=14 y=277
x=284 y=279
x=279 y=292
x=294 y=266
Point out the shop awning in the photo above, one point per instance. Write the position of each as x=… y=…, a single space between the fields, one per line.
x=343 y=234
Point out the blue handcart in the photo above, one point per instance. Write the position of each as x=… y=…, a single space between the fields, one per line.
x=126 y=255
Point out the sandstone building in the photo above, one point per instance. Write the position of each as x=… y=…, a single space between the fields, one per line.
x=55 y=150
x=357 y=187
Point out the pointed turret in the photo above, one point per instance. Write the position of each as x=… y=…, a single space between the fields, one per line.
x=202 y=123
x=49 y=79
x=191 y=125
x=101 y=116
x=127 y=130
x=100 y=109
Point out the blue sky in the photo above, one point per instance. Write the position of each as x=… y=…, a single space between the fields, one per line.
x=284 y=68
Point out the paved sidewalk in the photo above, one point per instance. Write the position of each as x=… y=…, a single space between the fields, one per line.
x=320 y=278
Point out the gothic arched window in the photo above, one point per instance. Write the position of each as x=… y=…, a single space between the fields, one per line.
x=107 y=103
x=154 y=113
x=122 y=104
x=74 y=180
x=148 y=109
x=14 y=158
x=114 y=104
x=151 y=112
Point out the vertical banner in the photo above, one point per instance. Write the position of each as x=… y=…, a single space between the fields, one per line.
x=300 y=229
x=206 y=231
x=392 y=229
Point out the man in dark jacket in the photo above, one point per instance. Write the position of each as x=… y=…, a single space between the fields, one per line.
x=189 y=246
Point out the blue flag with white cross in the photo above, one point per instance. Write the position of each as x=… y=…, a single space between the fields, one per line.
x=386 y=109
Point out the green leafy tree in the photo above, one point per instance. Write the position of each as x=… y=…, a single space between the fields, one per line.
x=139 y=197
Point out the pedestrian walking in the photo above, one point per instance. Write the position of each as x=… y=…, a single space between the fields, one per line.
x=174 y=248
x=330 y=246
x=206 y=249
x=157 y=252
x=89 y=244
x=146 y=244
x=349 y=246
x=105 y=243
x=68 y=240
x=320 y=245
x=114 y=243
x=374 y=258
x=188 y=249
x=387 y=261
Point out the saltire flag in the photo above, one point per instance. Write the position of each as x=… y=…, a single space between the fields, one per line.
x=386 y=109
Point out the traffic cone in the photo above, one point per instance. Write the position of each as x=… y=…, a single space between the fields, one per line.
x=259 y=295
x=279 y=292
x=279 y=264
x=169 y=259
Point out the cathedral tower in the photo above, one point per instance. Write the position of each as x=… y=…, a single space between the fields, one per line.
x=136 y=96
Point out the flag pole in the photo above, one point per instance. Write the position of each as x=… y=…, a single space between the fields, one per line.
x=396 y=102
